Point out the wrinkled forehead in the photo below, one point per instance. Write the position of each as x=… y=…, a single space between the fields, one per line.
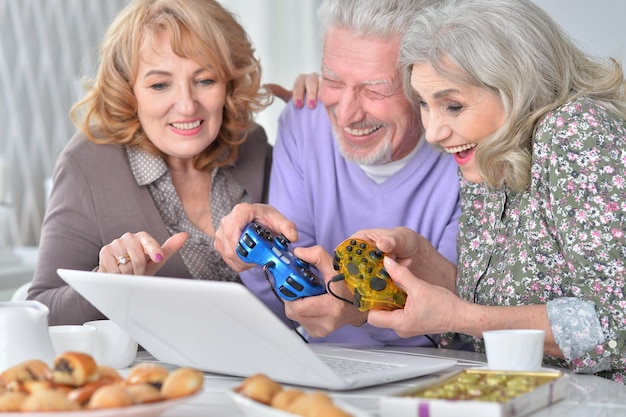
x=361 y=59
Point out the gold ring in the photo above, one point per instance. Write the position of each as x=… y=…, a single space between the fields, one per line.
x=123 y=260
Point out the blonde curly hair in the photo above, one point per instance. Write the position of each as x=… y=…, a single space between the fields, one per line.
x=200 y=30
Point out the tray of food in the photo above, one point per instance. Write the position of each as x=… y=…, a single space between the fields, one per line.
x=480 y=393
x=75 y=383
x=260 y=396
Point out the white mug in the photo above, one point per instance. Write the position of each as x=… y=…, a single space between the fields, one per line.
x=112 y=347
x=514 y=349
x=72 y=338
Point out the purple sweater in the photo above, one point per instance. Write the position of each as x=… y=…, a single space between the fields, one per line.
x=329 y=199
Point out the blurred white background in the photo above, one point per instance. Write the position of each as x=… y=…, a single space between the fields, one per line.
x=47 y=46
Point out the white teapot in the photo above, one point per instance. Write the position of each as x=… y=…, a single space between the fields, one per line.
x=24 y=333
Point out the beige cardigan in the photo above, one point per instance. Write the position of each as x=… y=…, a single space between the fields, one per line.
x=95 y=199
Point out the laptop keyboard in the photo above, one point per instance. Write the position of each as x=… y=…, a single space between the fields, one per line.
x=348 y=367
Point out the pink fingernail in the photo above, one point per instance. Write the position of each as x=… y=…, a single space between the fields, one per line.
x=298 y=103
x=158 y=257
x=311 y=104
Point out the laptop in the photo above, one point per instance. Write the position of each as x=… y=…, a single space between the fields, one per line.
x=222 y=327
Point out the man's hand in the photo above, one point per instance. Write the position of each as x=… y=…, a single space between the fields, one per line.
x=228 y=234
x=322 y=314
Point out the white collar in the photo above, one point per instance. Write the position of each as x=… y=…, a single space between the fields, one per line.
x=382 y=172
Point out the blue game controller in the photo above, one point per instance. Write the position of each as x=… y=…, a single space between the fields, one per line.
x=292 y=276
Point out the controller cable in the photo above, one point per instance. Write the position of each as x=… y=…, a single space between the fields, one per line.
x=341 y=277
x=271 y=285
x=336 y=278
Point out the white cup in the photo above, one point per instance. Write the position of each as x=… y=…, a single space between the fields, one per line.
x=72 y=338
x=514 y=349
x=113 y=347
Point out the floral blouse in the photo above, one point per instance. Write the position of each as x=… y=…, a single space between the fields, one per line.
x=562 y=242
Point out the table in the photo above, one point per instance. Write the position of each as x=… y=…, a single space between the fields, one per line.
x=587 y=395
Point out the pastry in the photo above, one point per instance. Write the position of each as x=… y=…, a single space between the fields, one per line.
x=74 y=368
x=34 y=369
x=144 y=393
x=259 y=387
x=147 y=372
x=326 y=410
x=110 y=396
x=107 y=373
x=33 y=385
x=76 y=382
x=284 y=398
x=11 y=401
x=182 y=382
x=305 y=404
x=48 y=400
x=81 y=395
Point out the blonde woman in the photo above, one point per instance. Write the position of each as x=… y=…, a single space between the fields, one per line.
x=166 y=147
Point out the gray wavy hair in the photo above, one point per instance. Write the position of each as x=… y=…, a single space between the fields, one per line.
x=386 y=19
x=515 y=49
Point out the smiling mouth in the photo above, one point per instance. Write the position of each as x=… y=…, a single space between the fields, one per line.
x=187 y=126
x=460 y=149
x=362 y=131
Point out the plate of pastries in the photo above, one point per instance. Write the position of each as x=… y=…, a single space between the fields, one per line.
x=260 y=396
x=76 y=383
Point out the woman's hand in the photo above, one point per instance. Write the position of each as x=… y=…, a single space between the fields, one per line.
x=401 y=243
x=428 y=309
x=433 y=309
x=138 y=253
x=415 y=252
x=306 y=85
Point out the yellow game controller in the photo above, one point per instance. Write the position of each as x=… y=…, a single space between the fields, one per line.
x=361 y=265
